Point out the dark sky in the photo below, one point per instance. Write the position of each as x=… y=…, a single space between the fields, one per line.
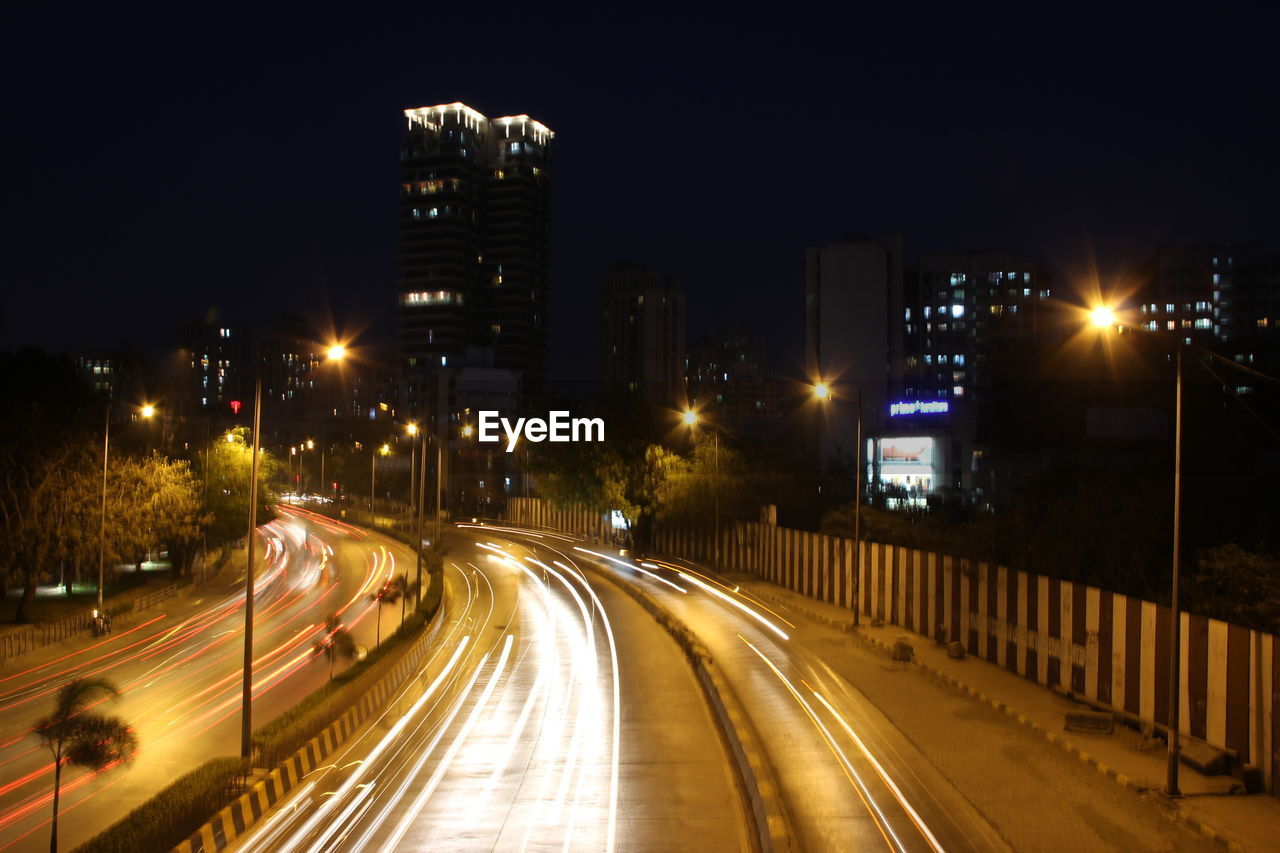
x=180 y=156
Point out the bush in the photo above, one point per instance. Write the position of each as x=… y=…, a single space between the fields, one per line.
x=170 y=817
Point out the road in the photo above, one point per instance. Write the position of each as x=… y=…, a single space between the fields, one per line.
x=849 y=778
x=553 y=712
x=180 y=675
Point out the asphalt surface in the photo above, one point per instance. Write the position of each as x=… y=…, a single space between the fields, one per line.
x=553 y=712
x=179 y=670
x=850 y=780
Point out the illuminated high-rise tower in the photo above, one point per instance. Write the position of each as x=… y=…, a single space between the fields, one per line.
x=475 y=265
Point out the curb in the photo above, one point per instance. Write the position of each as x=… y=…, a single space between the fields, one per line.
x=755 y=776
x=1138 y=786
x=237 y=818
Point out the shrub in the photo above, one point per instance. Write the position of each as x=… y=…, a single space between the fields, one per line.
x=169 y=817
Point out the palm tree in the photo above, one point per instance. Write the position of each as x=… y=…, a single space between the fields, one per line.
x=75 y=735
x=389 y=594
x=336 y=642
x=404 y=589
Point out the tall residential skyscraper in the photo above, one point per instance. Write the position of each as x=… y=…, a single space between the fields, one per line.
x=475 y=221
x=643 y=320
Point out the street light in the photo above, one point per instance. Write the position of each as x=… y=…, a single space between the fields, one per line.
x=822 y=393
x=385 y=449
x=146 y=412
x=1107 y=315
x=336 y=353
x=1103 y=317
x=690 y=418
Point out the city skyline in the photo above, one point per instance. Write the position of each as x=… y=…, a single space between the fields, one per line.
x=304 y=195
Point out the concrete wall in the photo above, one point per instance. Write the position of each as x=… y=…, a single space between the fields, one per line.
x=1108 y=647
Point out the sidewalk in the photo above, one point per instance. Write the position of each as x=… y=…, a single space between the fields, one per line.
x=1233 y=821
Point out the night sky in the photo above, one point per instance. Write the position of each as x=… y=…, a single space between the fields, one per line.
x=185 y=156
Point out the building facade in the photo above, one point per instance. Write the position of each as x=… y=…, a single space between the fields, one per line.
x=853 y=293
x=727 y=382
x=642 y=319
x=475 y=261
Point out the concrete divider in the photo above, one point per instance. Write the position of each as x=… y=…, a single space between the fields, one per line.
x=238 y=817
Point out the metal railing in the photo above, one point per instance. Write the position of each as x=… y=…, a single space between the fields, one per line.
x=32 y=637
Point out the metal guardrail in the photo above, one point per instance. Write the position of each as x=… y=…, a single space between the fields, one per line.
x=37 y=636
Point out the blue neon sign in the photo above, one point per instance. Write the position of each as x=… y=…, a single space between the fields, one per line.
x=919 y=407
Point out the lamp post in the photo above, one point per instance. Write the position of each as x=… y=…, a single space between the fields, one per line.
x=246 y=700
x=822 y=392
x=373 y=472
x=335 y=353
x=1104 y=318
x=422 y=499
x=691 y=420
x=146 y=412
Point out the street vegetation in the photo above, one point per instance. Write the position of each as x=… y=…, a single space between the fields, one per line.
x=52 y=525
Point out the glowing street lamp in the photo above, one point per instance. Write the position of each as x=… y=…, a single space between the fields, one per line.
x=337 y=352
x=822 y=393
x=690 y=419
x=146 y=412
x=1104 y=318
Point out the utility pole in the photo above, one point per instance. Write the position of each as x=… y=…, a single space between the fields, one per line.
x=1175 y=630
x=246 y=715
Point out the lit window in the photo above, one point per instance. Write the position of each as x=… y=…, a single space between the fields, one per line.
x=958 y=358
x=928 y=309
x=958 y=390
x=1262 y=322
x=1026 y=277
x=1170 y=326
x=908 y=314
x=1026 y=291
x=444 y=361
x=1217 y=279
x=1169 y=307
x=957 y=310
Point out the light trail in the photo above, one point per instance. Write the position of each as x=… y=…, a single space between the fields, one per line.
x=634 y=567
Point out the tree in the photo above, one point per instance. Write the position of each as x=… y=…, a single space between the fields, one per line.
x=390 y=593
x=80 y=737
x=404 y=589
x=229 y=469
x=335 y=643
x=1236 y=585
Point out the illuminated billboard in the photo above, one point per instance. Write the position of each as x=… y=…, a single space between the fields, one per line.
x=918 y=407
x=912 y=465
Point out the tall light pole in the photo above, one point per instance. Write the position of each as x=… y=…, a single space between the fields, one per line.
x=1104 y=318
x=373 y=461
x=822 y=393
x=422 y=499
x=146 y=412
x=246 y=701
x=335 y=353
x=691 y=420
